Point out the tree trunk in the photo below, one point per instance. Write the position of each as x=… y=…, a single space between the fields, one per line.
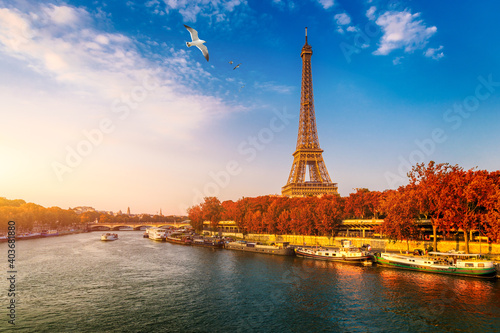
x=466 y=239
x=434 y=243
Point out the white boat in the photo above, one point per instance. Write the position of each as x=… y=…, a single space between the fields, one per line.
x=109 y=237
x=157 y=234
x=346 y=253
x=28 y=235
x=49 y=233
x=441 y=262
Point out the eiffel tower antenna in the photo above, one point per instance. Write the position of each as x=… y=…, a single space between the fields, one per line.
x=308 y=154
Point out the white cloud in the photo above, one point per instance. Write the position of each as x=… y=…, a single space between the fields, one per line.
x=287 y=4
x=191 y=9
x=326 y=3
x=402 y=30
x=434 y=53
x=152 y=3
x=342 y=19
x=14 y=30
x=370 y=13
x=64 y=15
x=102 y=67
x=397 y=60
x=101 y=39
x=231 y=4
x=272 y=86
x=352 y=29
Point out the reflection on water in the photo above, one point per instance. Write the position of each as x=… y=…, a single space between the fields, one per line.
x=78 y=283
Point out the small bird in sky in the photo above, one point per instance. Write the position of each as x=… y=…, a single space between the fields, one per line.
x=196 y=41
x=231 y=62
x=237 y=66
x=242 y=87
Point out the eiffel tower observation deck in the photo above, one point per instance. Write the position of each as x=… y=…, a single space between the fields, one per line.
x=308 y=155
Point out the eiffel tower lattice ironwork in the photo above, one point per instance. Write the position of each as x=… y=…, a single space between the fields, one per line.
x=308 y=154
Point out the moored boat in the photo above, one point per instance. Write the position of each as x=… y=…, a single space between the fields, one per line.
x=28 y=235
x=49 y=233
x=157 y=234
x=279 y=248
x=346 y=253
x=179 y=239
x=440 y=262
x=109 y=237
x=208 y=242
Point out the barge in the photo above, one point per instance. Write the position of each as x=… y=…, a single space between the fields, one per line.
x=280 y=248
x=179 y=239
x=208 y=242
x=470 y=265
x=346 y=253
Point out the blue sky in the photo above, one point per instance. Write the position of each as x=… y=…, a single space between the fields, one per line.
x=104 y=105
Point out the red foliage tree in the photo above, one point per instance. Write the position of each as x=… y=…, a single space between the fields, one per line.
x=229 y=210
x=329 y=212
x=212 y=211
x=429 y=183
x=283 y=225
x=491 y=223
x=195 y=214
x=362 y=204
x=467 y=195
x=400 y=222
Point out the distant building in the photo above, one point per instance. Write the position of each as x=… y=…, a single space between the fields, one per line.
x=83 y=209
x=128 y=211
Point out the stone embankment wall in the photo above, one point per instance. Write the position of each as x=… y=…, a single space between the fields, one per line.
x=376 y=243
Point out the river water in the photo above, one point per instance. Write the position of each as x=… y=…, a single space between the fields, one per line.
x=79 y=283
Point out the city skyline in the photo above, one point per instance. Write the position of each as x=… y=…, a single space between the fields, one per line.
x=105 y=106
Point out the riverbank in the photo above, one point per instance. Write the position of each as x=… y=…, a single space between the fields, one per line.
x=377 y=244
x=28 y=236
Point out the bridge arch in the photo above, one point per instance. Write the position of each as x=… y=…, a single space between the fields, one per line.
x=134 y=225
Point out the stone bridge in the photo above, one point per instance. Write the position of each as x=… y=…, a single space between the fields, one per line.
x=134 y=225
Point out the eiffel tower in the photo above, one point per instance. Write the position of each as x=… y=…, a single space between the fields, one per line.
x=308 y=154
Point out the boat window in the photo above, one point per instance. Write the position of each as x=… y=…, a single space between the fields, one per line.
x=469 y=265
x=480 y=265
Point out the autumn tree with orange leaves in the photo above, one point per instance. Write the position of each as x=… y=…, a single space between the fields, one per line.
x=329 y=213
x=401 y=212
x=195 y=214
x=429 y=184
x=491 y=223
x=212 y=211
x=466 y=198
x=363 y=204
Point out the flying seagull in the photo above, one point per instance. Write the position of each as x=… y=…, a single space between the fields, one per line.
x=237 y=66
x=196 y=41
x=231 y=62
